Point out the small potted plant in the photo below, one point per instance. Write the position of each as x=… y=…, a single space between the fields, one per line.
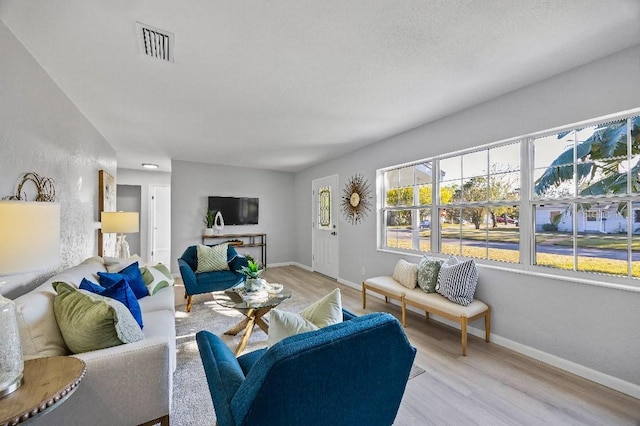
x=252 y=272
x=208 y=220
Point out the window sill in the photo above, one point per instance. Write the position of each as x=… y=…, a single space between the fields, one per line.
x=624 y=284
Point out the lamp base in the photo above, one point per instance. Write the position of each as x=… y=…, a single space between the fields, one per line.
x=122 y=247
x=12 y=386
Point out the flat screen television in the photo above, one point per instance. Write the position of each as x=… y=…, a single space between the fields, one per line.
x=236 y=210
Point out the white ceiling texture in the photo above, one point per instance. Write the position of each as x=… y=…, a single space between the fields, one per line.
x=285 y=84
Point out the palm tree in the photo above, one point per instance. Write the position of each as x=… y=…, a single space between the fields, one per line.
x=600 y=169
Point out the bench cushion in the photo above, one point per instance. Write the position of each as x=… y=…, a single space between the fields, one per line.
x=419 y=299
x=387 y=285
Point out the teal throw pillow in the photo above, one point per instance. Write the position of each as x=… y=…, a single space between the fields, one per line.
x=428 y=269
x=89 y=322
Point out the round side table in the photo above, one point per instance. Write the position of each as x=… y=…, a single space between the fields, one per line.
x=47 y=383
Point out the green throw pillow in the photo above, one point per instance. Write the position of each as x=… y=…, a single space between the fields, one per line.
x=156 y=277
x=428 y=270
x=212 y=258
x=89 y=322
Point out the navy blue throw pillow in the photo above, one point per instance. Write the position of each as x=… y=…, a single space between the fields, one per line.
x=119 y=291
x=85 y=284
x=131 y=274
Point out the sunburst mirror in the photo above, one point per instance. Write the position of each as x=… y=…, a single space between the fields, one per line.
x=356 y=199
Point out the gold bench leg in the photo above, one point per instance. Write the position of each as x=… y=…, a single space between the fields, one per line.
x=487 y=325
x=426 y=314
x=463 y=327
x=364 y=296
x=189 y=300
x=403 y=311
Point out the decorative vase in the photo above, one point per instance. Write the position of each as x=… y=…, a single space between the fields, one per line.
x=218 y=221
x=253 y=284
x=11 y=361
x=208 y=232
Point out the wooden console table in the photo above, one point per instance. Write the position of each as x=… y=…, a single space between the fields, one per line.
x=47 y=383
x=244 y=240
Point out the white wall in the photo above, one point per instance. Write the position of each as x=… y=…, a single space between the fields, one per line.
x=193 y=183
x=591 y=326
x=42 y=131
x=145 y=179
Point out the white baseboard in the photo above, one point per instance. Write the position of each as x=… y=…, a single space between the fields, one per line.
x=612 y=382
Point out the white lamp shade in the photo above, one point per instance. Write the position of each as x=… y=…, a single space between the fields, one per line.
x=120 y=222
x=29 y=236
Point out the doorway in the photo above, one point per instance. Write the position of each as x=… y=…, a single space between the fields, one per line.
x=129 y=199
x=324 y=234
x=160 y=224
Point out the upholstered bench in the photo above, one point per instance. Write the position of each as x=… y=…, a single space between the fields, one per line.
x=429 y=302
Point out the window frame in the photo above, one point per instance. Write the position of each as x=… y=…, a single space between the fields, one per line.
x=526 y=206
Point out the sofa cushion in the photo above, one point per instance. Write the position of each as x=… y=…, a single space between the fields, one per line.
x=88 y=321
x=457 y=280
x=386 y=284
x=116 y=264
x=406 y=273
x=39 y=332
x=121 y=292
x=428 y=269
x=131 y=274
x=156 y=277
x=322 y=313
x=163 y=300
x=212 y=258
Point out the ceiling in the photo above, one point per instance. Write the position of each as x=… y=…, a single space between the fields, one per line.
x=285 y=84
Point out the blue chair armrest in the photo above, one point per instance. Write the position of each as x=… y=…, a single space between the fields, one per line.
x=348 y=315
x=237 y=263
x=223 y=373
x=188 y=275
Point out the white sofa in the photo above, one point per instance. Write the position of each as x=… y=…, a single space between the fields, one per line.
x=129 y=384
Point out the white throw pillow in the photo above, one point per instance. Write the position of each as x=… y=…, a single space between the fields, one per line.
x=284 y=324
x=324 y=312
x=406 y=273
x=212 y=258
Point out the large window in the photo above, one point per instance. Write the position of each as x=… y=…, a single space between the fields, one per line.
x=576 y=207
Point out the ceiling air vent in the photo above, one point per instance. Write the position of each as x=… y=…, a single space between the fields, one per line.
x=155 y=42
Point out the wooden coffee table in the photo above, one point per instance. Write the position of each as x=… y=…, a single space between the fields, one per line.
x=253 y=310
x=48 y=382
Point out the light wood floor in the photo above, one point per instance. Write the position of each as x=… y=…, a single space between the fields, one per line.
x=490 y=386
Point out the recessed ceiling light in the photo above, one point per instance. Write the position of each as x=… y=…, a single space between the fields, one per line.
x=150 y=166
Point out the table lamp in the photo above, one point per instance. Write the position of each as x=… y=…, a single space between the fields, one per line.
x=120 y=223
x=29 y=240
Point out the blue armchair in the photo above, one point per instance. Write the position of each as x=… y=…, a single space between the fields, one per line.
x=206 y=282
x=352 y=373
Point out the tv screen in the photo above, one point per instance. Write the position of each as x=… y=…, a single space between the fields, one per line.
x=236 y=210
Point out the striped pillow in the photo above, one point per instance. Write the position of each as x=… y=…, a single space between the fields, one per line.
x=457 y=280
x=406 y=273
x=212 y=258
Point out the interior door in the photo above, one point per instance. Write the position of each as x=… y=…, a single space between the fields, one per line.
x=160 y=222
x=325 y=227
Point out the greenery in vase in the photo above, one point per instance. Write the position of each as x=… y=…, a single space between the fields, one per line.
x=209 y=218
x=253 y=270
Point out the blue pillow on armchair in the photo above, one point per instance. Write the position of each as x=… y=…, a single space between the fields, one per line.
x=119 y=291
x=131 y=274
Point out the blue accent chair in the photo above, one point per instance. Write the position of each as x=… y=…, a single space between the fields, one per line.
x=352 y=373
x=206 y=282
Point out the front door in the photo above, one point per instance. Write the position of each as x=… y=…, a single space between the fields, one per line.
x=325 y=227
